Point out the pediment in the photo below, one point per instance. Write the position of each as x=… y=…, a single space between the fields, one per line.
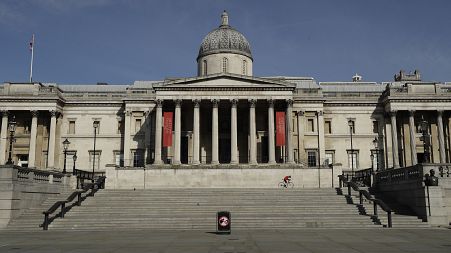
x=224 y=81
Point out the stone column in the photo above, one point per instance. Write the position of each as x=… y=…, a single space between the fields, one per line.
x=441 y=136
x=52 y=135
x=301 y=129
x=3 y=137
x=158 y=132
x=196 y=132
x=252 y=133
x=394 y=135
x=127 y=125
x=147 y=134
x=271 y=132
x=289 y=123
x=413 y=149
x=233 y=133
x=214 y=133
x=177 y=132
x=33 y=135
x=321 y=140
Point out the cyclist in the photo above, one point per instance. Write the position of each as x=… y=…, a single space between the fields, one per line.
x=286 y=180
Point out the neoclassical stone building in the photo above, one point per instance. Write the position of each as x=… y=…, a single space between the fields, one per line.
x=226 y=116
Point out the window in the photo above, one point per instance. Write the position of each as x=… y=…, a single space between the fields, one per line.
x=375 y=126
x=119 y=126
x=244 y=67
x=204 y=67
x=327 y=127
x=225 y=63
x=137 y=125
x=138 y=158
x=97 y=159
x=311 y=158
x=310 y=125
x=329 y=157
x=71 y=127
x=353 y=159
x=118 y=158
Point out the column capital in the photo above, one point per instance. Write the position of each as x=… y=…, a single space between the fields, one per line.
x=196 y=102
x=53 y=113
x=34 y=113
x=4 y=113
x=128 y=113
x=300 y=113
x=270 y=102
x=234 y=101
x=159 y=103
x=412 y=113
x=177 y=102
x=252 y=102
x=289 y=102
x=215 y=102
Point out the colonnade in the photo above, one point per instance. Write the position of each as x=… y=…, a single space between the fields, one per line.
x=215 y=133
x=4 y=138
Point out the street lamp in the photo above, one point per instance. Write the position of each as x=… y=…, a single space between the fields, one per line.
x=75 y=159
x=65 y=146
x=424 y=127
x=12 y=128
x=351 y=129
x=95 y=124
x=376 y=152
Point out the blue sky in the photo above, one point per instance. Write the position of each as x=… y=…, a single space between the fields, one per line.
x=120 y=41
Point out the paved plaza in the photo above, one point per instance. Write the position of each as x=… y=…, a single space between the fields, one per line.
x=308 y=240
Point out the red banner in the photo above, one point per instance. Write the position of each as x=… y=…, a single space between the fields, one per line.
x=280 y=129
x=167 y=129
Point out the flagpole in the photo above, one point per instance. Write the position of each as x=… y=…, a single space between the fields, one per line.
x=32 y=55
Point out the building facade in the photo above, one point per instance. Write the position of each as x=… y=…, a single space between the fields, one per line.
x=225 y=115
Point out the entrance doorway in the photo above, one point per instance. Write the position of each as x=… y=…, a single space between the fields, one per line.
x=224 y=150
x=184 y=150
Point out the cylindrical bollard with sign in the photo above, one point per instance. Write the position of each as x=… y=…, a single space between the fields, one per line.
x=223 y=222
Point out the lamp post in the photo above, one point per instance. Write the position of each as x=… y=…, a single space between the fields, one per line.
x=351 y=126
x=65 y=146
x=75 y=159
x=376 y=152
x=95 y=125
x=424 y=127
x=12 y=128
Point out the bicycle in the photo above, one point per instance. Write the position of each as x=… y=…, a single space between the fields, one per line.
x=289 y=184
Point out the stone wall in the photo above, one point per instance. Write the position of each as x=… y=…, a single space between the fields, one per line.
x=221 y=176
x=22 y=188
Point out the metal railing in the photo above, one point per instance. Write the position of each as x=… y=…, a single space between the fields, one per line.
x=367 y=195
x=66 y=205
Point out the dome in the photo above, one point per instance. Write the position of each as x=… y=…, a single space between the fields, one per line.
x=224 y=39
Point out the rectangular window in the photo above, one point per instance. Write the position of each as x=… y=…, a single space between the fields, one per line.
x=310 y=125
x=375 y=126
x=71 y=127
x=311 y=158
x=327 y=127
x=119 y=127
x=96 y=160
x=138 y=158
x=353 y=161
x=118 y=158
x=329 y=158
x=137 y=125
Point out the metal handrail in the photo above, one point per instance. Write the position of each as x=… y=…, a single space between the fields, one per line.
x=99 y=184
x=367 y=195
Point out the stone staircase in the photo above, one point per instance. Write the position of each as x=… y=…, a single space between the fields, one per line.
x=187 y=209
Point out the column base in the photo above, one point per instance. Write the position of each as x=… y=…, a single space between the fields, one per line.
x=195 y=163
x=176 y=162
x=234 y=162
x=158 y=162
x=214 y=163
x=290 y=162
x=253 y=163
x=272 y=162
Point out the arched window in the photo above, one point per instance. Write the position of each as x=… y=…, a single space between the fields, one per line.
x=225 y=63
x=205 y=67
x=244 y=67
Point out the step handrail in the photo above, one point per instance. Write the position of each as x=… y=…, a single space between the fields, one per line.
x=367 y=195
x=94 y=187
